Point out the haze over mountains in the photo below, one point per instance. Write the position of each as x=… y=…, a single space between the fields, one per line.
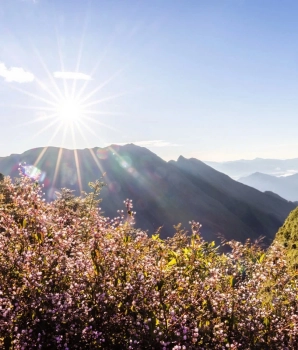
x=164 y=193
x=284 y=186
x=274 y=175
x=242 y=168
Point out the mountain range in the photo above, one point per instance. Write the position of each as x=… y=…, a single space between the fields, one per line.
x=242 y=168
x=284 y=186
x=164 y=193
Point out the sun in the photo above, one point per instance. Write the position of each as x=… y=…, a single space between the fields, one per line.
x=69 y=111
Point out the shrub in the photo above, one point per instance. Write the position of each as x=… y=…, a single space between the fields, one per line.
x=71 y=278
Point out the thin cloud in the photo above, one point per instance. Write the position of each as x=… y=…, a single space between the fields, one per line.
x=150 y=143
x=31 y=1
x=72 y=75
x=15 y=74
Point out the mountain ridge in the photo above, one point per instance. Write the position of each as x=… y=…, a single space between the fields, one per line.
x=164 y=193
x=284 y=186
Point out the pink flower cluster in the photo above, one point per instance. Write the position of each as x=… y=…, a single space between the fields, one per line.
x=72 y=279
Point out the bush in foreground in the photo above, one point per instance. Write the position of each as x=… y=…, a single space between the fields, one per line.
x=72 y=279
x=287 y=235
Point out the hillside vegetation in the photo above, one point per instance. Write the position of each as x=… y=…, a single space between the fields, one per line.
x=70 y=278
x=287 y=235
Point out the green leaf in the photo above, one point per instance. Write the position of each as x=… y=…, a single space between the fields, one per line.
x=172 y=262
x=133 y=309
x=232 y=281
x=96 y=269
x=186 y=251
x=262 y=258
x=174 y=254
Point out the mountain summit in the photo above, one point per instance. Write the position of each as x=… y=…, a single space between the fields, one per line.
x=164 y=193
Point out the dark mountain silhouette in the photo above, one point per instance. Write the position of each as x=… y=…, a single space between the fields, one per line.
x=242 y=168
x=285 y=186
x=164 y=193
x=258 y=211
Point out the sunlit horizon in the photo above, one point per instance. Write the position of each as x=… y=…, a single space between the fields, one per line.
x=190 y=80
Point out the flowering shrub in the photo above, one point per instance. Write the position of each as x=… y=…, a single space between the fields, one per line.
x=71 y=278
x=287 y=235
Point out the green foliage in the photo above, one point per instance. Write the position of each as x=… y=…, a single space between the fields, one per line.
x=287 y=236
x=72 y=279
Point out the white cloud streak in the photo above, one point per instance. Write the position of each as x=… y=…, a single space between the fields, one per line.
x=72 y=75
x=15 y=74
x=32 y=1
x=150 y=143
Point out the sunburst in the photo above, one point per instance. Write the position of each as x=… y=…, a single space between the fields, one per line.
x=70 y=111
x=69 y=107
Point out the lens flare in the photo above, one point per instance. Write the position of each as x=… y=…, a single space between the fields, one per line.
x=33 y=172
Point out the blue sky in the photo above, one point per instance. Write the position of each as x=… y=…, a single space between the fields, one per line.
x=215 y=80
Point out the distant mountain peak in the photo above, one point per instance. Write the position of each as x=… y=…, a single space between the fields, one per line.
x=163 y=193
x=181 y=158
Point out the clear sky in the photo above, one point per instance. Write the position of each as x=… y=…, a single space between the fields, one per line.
x=211 y=79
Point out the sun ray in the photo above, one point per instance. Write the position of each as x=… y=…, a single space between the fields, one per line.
x=100 y=123
x=60 y=157
x=95 y=68
x=66 y=92
x=69 y=108
x=35 y=108
x=82 y=123
x=34 y=121
x=94 y=91
x=38 y=159
x=45 y=88
x=77 y=160
x=78 y=64
x=39 y=82
x=45 y=149
x=100 y=167
x=86 y=112
x=55 y=121
x=105 y=99
x=64 y=135
x=48 y=72
x=55 y=133
x=57 y=166
x=33 y=95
